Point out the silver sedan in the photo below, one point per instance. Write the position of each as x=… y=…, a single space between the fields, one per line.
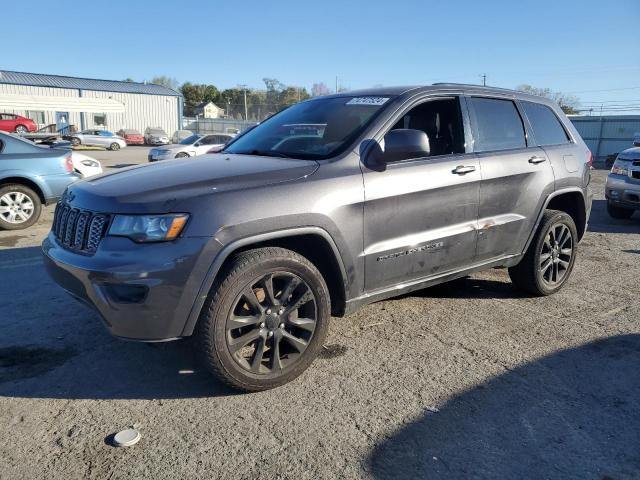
x=98 y=138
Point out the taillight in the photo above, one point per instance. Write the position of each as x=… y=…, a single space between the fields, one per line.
x=590 y=159
x=68 y=163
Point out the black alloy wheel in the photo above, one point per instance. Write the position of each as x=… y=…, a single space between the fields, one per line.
x=271 y=323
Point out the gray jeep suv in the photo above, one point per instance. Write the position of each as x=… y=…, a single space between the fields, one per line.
x=331 y=204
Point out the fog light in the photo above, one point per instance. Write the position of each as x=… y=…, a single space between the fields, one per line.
x=122 y=293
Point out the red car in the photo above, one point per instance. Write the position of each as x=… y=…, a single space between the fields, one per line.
x=16 y=123
x=132 y=137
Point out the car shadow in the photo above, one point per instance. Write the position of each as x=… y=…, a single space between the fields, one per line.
x=601 y=222
x=55 y=347
x=572 y=414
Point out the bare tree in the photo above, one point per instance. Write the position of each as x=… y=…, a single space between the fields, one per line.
x=569 y=103
x=319 y=90
x=165 y=81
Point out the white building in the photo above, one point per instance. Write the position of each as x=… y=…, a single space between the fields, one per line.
x=209 y=110
x=88 y=103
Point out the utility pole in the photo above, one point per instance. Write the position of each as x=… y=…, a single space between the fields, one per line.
x=484 y=79
x=336 y=84
x=246 y=113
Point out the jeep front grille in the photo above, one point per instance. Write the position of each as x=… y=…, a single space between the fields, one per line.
x=79 y=230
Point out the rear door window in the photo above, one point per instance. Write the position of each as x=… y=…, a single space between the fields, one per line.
x=498 y=125
x=546 y=127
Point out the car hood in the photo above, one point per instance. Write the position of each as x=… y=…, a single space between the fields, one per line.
x=632 y=153
x=160 y=187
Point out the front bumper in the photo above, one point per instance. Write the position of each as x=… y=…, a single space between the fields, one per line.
x=142 y=292
x=623 y=191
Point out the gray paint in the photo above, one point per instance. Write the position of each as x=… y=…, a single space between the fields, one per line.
x=464 y=222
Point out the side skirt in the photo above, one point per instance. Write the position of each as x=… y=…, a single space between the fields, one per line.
x=402 y=288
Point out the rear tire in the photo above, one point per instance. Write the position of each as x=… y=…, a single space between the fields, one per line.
x=75 y=141
x=20 y=207
x=282 y=326
x=549 y=260
x=618 y=212
x=114 y=146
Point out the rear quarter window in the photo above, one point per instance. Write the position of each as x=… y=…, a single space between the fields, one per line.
x=546 y=127
x=498 y=125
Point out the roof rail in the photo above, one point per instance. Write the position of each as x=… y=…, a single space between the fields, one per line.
x=511 y=90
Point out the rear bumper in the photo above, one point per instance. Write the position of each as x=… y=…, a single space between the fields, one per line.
x=53 y=186
x=159 y=158
x=142 y=292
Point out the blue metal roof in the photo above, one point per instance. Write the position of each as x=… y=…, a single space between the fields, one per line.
x=59 y=81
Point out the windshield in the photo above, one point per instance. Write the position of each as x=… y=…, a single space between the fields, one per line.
x=154 y=131
x=190 y=140
x=316 y=129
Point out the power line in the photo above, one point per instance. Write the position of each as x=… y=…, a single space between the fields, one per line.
x=605 y=90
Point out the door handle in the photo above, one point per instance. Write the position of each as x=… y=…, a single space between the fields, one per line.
x=536 y=159
x=462 y=169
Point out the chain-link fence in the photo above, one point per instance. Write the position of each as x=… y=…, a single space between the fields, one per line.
x=215 y=125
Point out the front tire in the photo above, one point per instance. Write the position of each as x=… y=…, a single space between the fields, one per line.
x=20 y=129
x=549 y=260
x=20 y=207
x=75 y=141
x=114 y=146
x=265 y=319
x=618 y=212
x=182 y=155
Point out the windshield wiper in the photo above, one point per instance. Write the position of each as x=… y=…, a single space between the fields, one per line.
x=263 y=153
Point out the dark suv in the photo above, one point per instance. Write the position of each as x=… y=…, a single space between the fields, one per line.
x=331 y=204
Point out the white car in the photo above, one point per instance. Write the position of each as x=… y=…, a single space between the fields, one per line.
x=85 y=165
x=190 y=147
x=99 y=138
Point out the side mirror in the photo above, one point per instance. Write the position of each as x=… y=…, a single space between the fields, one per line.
x=405 y=143
x=197 y=144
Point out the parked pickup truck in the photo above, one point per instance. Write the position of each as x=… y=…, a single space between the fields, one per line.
x=253 y=249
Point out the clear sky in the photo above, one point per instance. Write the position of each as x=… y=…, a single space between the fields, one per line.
x=589 y=48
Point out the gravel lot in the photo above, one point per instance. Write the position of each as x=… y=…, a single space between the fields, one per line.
x=465 y=380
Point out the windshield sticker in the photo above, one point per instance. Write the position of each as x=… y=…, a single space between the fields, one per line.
x=374 y=101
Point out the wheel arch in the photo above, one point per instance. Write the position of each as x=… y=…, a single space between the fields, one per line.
x=570 y=201
x=27 y=182
x=314 y=243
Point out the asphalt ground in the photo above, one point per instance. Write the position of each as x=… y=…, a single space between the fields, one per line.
x=470 y=379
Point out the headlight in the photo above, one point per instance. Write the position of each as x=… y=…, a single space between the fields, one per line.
x=148 y=228
x=90 y=163
x=621 y=167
